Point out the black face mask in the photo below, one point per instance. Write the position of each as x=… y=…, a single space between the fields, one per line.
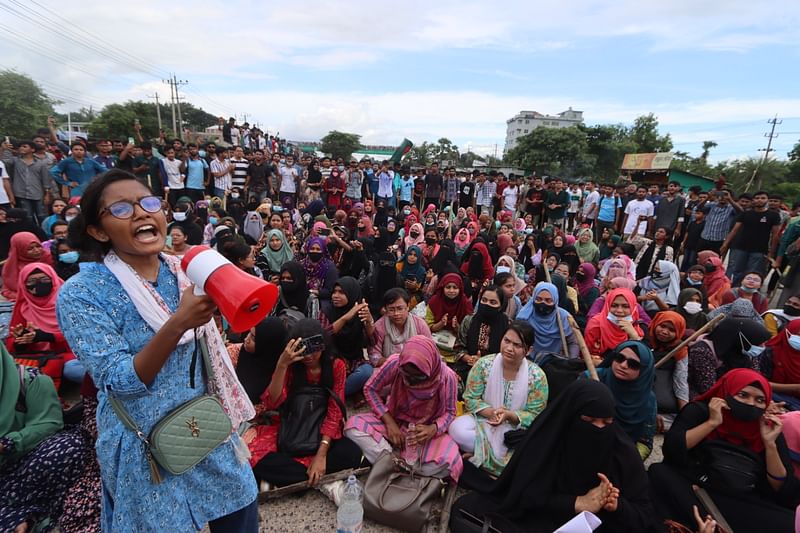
x=488 y=312
x=362 y=228
x=710 y=268
x=430 y=241
x=742 y=411
x=315 y=256
x=543 y=308
x=791 y=311
x=580 y=276
x=414 y=235
x=41 y=288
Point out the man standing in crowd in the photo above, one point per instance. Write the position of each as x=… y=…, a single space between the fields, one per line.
x=557 y=200
x=146 y=168
x=757 y=230
x=451 y=184
x=104 y=155
x=606 y=211
x=406 y=188
x=669 y=213
x=196 y=170
x=30 y=180
x=433 y=186
x=355 y=181
x=240 y=166
x=77 y=171
x=510 y=196
x=259 y=177
x=221 y=170
x=385 y=183
x=638 y=214
x=485 y=193
x=466 y=192
x=534 y=201
x=720 y=211
x=171 y=176
x=575 y=195
x=589 y=203
x=290 y=177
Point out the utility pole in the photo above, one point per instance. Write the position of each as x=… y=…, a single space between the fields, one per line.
x=771 y=135
x=172 y=102
x=158 y=110
x=177 y=123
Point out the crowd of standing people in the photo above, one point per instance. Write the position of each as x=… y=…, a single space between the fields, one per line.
x=461 y=314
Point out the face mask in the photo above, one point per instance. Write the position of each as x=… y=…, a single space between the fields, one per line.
x=341 y=167
x=543 y=308
x=234 y=195
x=315 y=256
x=69 y=218
x=748 y=290
x=710 y=268
x=690 y=281
x=614 y=320
x=528 y=231
x=659 y=281
x=580 y=276
x=502 y=269
x=69 y=257
x=201 y=153
x=794 y=342
x=361 y=228
x=42 y=288
x=742 y=411
x=213 y=221
x=414 y=235
x=488 y=312
x=753 y=352
x=693 y=307
x=406 y=212
x=180 y=217
x=430 y=241
x=791 y=311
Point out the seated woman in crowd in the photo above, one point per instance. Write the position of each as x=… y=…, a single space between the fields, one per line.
x=412 y=273
x=35 y=336
x=178 y=244
x=729 y=442
x=65 y=259
x=672 y=386
x=277 y=252
x=629 y=373
x=690 y=307
x=777 y=319
x=748 y=290
x=412 y=397
x=38 y=461
x=242 y=256
x=477 y=266
x=395 y=327
x=653 y=252
x=660 y=290
x=256 y=357
x=715 y=281
x=24 y=248
x=616 y=323
x=293 y=289
x=302 y=366
x=780 y=363
x=543 y=313
x=481 y=332
x=586 y=286
x=567 y=295
x=616 y=283
x=350 y=326
x=504 y=391
x=574 y=458
x=733 y=343
x=320 y=271
x=447 y=309
x=588 y=252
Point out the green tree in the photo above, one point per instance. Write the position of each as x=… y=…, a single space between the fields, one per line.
x=645 y=136
x=82 y=115
x=707 y=146
x=116 y=120
x=466 y=159
x=421 y=155
x=607 y=144
x=561 y=151
x=24 y=106
x=195 y=118
x=340 y=144
x=445 y=150
x=794 y=163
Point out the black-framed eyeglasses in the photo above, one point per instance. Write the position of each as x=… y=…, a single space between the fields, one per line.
x=633 y=364
x=124 y=209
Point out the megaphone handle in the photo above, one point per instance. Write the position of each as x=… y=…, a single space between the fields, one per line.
x=198 y=291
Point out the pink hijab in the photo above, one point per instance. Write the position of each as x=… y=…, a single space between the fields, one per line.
x=17 y=259
x=38 y=310
x=420 y=238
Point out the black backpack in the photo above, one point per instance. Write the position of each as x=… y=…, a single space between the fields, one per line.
x=302 y=415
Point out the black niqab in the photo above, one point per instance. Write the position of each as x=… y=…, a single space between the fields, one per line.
x=255 y=369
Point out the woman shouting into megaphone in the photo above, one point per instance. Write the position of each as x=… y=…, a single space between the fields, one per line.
x=152 y=350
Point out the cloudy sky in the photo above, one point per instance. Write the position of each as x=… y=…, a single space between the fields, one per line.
x=709 y=69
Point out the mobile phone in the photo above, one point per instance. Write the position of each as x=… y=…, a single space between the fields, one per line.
x=131 y=140
x=312 y=344
x=324 y=231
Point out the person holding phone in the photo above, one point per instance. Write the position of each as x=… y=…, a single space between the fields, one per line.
x=306 y=360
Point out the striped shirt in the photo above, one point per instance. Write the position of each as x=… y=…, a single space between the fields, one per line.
x=486 y=191
x=221 y=182
x=240 y=167
x=719 y=219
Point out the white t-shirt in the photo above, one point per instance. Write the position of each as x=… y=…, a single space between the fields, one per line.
x=634 y=209
x=173 y=169
x=510 y=197
x=588 y=203
x=288 y=179
x=235 y=136
x=3 y=176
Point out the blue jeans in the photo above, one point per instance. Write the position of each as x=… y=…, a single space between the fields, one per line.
x=34 y=208
x=245 y=520
x=355 y=381
x=741 y=262
x=74 y=371
x=792 y=402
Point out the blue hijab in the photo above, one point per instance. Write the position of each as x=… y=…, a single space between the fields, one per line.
x=548 y=337
x=416 y=271
x=636 y=401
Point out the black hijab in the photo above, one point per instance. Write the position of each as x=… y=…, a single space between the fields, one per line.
x=351 y=339
x=308 y=328
x=255 y=369
x=445 y=260
x=728 y=344
x=563 y=300
x=294 y=294
x=497 y=321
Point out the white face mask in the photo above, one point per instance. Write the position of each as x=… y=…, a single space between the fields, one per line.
x=693 y=307
x=502 y=268
x=615 y=320
x=180 y=217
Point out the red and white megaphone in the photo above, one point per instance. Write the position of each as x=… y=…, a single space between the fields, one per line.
x=244 y=300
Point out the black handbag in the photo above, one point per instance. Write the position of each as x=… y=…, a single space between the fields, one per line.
x=729 y=468
x=560 y=371
x=662 y=386
x=301 y=417
x=462 y=521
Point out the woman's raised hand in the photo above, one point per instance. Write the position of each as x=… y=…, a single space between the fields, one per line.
x=292 y=353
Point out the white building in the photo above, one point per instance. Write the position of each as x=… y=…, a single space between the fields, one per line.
x=525 y=122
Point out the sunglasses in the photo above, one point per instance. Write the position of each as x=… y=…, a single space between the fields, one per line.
x=124 y=209
x=633 y=364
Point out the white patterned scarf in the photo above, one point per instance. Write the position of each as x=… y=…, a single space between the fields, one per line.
x=495 y=396
x=222 y=379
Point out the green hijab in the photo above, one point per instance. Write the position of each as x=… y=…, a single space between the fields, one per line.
x=589 y=252
x=276 y=259
x=9 y=391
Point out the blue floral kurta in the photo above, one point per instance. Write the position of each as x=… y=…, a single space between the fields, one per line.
x=105 y=331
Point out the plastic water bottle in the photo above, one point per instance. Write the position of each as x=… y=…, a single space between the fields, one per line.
x=350 y=516
x=411 y=453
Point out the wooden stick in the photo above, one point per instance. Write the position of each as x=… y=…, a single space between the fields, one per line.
x=447 y=506
x=564 y=345
x=303 y=485
x=711 y=507
x=587 y=357
x=710 y=324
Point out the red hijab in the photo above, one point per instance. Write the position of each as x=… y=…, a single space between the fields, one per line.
x=18 y=258
x=609 y=334
x=714 y=281
x=488 y=269
x=368 y=232
x=785 y=359
x=678 y=324
x=459 y=307
x=38 y=310
x=732 y=430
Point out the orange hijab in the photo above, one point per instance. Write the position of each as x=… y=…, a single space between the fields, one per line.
x=678 y=323
x=605 y=334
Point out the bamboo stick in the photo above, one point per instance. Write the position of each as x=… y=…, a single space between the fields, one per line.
x=710 y=324
x=303 y=485
x=587 y=357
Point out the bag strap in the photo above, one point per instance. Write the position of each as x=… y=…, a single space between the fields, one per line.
x=22 y=405
x=339 y=402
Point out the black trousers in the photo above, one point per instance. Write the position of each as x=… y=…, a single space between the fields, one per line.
x=280 y=469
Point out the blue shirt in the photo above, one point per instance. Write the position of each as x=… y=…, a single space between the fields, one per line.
x=608 y=208
x=105 y=331
x=194 y=173
x=406 y=189
x=80 y=173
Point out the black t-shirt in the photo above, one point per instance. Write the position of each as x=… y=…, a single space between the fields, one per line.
x=259 y=174
x=433 y=185
x=693 y=231
x=756 y=228
x=536 y=195
x=466 y=193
